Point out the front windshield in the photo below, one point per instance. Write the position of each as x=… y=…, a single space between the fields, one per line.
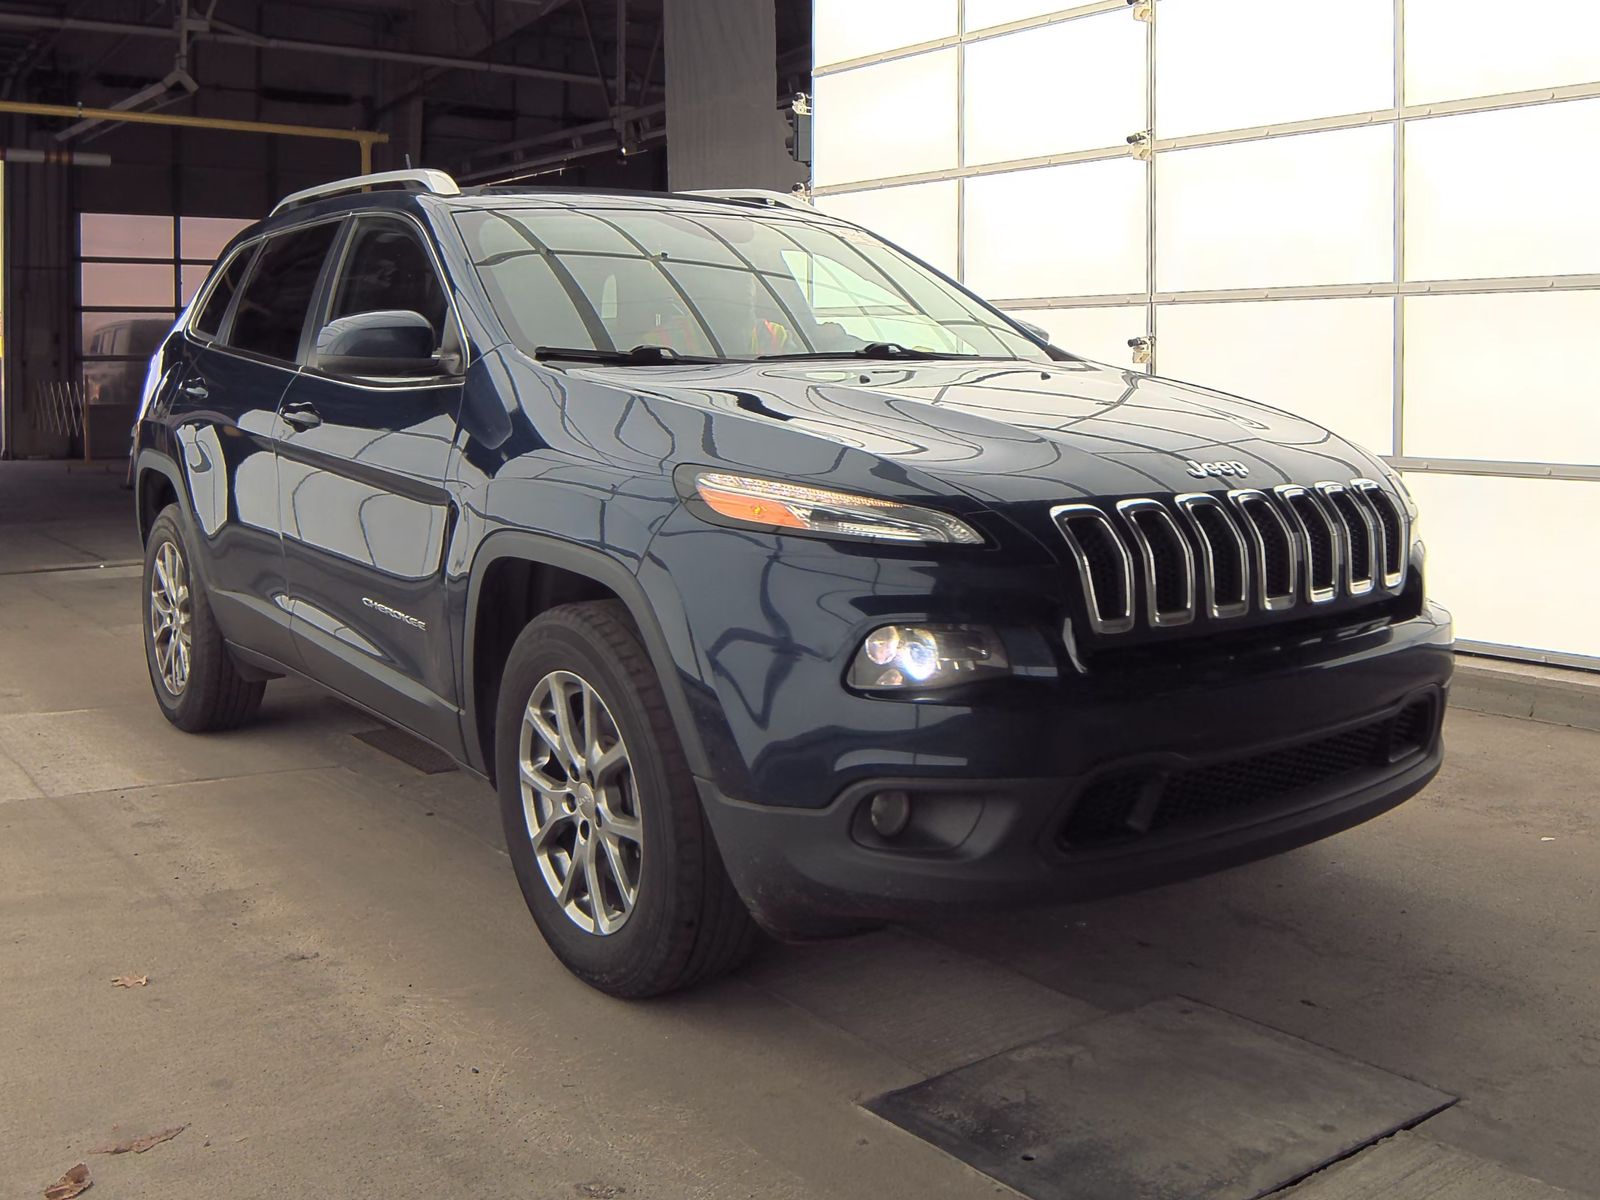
x=709 y=281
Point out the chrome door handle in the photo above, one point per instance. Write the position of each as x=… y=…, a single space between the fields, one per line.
x=302 y=416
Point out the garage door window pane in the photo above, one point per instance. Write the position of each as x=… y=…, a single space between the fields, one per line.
x=1468 y=365
x=1073 y=86
x=1295 y=211
x=846 y=29
x=1457 y=48
x=1329 y=361
x=1475 y=525
x=980 y=14
x=1100 y=334
x=1232 y=64
x=897 y=118
x=124 y=334
x=1504 y=193
x=121 y=235
x=127 y=285
x=204 y=238
x=1062 y=231
x=920 y=219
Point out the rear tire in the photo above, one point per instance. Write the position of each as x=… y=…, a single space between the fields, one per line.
x=194 y=677
x=626 y=886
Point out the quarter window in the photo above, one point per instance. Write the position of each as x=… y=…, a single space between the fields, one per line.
x=272 y=309
x=209 y=321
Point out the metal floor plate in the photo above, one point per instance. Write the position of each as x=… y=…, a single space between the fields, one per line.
x=1171 y=1101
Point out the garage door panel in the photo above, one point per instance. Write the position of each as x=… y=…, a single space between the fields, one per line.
x=1458 y=48
x=1505 y=193
x=1076 y=230
x=1503 y=555
x=1232 y=64
x=1099 y=333
x=1330 y=361
x=1077 y=85
x=920 y=218
x=1294 y=211
x=847 y=29
x=883 y=119
x=1478 y=382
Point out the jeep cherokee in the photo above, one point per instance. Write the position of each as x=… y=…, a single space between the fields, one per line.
x=772 y=578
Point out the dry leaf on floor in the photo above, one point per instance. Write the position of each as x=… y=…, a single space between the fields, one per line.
x=140 y=1145
x=71 y=1184
x=130 y=981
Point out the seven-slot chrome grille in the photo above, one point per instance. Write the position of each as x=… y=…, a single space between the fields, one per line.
x=1227 y=554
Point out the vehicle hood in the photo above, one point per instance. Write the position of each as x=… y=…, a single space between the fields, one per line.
x=1006 y=431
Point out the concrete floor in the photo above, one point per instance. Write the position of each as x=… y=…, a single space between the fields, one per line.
x=347 y=998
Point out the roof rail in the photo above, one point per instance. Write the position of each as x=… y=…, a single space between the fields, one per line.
x=754 y=196
x=436 y=183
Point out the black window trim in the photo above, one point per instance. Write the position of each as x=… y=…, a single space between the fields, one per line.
x=322 y=304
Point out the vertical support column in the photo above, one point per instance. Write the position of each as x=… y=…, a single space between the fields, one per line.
x=961 y=140
x=1399 y=396
x=723 y=125
x=1150 y=186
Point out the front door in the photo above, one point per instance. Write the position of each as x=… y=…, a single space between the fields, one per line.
x=363 y=507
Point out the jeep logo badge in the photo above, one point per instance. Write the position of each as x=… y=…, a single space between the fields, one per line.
x=1217 y=470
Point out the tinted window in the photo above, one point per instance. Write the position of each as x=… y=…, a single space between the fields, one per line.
x=273 y=307
x=710 y=282
x=210 y=319
x=388 y=268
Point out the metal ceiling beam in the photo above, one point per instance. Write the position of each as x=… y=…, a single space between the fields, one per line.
x=555 y=135
x=216 y=31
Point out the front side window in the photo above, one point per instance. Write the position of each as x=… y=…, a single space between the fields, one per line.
x=387 y=267
x=719 y=284
x=272 y=308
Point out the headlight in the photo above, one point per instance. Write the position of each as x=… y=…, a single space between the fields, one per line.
x=818 y=510
x=927 y=656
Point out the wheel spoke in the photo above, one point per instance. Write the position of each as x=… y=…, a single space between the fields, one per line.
x=626 y=891
x=623 y=826
x=563 y=704
x=550 y=826
x=597 y=896
x=564 y=895
x=604 y=763
x=547 y=734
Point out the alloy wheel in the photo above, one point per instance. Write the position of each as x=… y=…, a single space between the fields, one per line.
x=581 y=803
x=171 y=618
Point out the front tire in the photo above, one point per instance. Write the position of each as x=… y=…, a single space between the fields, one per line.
x=193 y=675
x=602 y=820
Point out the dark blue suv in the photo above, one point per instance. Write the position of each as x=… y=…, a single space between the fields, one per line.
x=774 y=579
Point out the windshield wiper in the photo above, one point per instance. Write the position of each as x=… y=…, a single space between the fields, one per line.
x=639 y=356
x=875 y=350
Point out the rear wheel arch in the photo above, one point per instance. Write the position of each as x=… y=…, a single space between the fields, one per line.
x=156 y=486
x=515 y=577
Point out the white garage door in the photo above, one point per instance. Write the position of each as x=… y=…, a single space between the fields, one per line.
x=1378 y=213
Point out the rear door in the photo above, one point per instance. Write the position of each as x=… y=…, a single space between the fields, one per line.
x=243 y=347
x=364 y=509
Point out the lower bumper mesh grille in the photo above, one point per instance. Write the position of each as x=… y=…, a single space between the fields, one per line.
x=1132 y=804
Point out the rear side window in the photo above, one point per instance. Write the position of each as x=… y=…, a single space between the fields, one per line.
x=388 y=268
x=272 y=308
x=209 y=320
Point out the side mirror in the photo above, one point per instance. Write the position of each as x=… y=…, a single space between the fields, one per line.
x=390 y=344
x=1039 y=333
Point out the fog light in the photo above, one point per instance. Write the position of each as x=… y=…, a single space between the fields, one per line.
x=890 y=813
x=926 y=656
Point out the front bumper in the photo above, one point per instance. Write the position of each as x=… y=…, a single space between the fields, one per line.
x=997 y=840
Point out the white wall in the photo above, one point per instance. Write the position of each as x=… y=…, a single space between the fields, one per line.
x=1404 y=247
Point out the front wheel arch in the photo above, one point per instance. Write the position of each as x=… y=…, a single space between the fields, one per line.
x=603 y=577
